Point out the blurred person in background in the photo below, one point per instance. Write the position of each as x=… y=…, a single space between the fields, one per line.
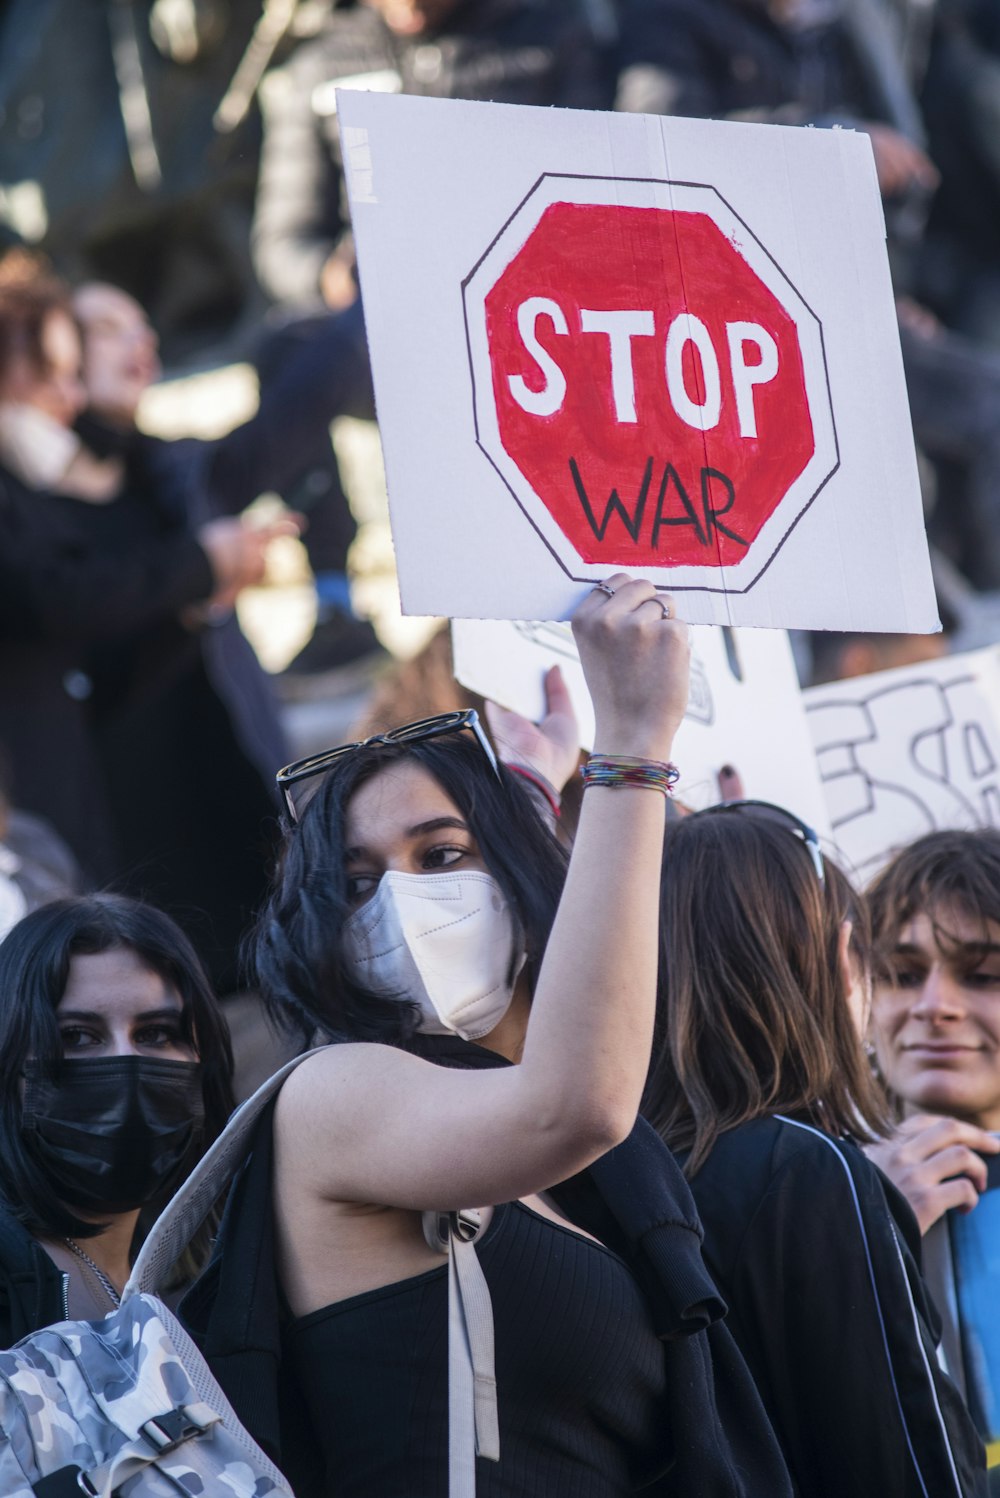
x=959 y=266
x=116 y=1079
x=132 y=174
x=318 y=380
x=830 y=62
x=108 y=593
x=542 y=52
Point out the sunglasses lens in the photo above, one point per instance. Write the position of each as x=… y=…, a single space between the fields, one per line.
x=310 y=774
x=427 y=728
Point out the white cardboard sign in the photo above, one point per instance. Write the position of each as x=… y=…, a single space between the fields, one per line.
x=906 y=752
x=615 y=342
x=744 y=709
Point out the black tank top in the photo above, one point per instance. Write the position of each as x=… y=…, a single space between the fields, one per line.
x=580 y=1375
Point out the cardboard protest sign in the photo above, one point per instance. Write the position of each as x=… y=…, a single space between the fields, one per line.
x=906 y=752
x=612 y=342
x=744 y=708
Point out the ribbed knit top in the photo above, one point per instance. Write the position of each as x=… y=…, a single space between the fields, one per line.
x=580 y=1375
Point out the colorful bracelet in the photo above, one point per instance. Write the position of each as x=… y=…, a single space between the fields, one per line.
x=622 y=769
x=541 y=784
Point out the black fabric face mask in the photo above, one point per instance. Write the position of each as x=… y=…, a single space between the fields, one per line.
x=111 y=1133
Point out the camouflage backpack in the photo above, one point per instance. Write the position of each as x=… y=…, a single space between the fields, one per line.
x=128 y=1406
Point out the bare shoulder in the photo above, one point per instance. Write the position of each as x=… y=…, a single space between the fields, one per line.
x=340 y=1079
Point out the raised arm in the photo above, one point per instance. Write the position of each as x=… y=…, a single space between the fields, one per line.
x=373 y=1124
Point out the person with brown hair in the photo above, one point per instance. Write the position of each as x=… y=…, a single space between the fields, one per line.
x=760 y=1082
x=936 y=1026
x=935 y=912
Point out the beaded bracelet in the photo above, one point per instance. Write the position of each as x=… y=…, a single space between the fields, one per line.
x=622 y=769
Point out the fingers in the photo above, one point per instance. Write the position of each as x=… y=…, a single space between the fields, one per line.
x=928 y=1134
x=636 y=663
x=557 y=698
x=958 y=1194
x=628 y=593
x=731 y=786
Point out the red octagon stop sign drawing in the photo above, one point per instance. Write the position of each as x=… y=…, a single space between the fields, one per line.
x=648 y=382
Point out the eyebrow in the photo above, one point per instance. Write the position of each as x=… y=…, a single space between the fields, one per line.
x=76 y=1015
x=420 y=829
x=980 y=948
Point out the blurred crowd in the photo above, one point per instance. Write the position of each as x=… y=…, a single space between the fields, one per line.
x=172 y=199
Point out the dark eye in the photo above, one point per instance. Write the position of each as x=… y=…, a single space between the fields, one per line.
x=907 y=977
x=360 y=887
x=981 y=978
x=443 y=856
x=76 y=1038
x=159 y=1035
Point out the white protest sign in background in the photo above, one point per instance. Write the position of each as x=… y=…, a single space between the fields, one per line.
x=605 y=342
x=906 y=752
x=745 y=707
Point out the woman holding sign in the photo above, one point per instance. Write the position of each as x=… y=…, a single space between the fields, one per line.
x=761 y=1083
x=491 y=1012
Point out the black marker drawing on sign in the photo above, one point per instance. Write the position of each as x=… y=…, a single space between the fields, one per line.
x=900 y=761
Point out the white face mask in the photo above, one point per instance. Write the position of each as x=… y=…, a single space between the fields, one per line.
x=443 y=941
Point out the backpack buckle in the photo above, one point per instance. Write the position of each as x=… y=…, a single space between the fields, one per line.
x=68 y=1482
x=173 y=1428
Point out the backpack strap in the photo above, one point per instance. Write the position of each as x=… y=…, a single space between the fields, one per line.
x=186 y=1211
x=473 y=1422
x=473 y=1427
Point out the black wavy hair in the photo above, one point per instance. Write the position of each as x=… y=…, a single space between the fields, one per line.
x=295 y=949
x=35 y=959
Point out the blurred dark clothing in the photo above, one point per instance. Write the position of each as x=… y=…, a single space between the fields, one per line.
x=511 y=51
x=954 y=390
x=60 y=593
x=150 y=745
x=731 y=59
x=960 y=260
x=334 y=347
x=77 y=183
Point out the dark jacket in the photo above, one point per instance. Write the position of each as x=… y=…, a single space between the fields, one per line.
x=818 y=1257
x=510 y=51
x=731 y=59
x=61 y=593
x=634 y=1199
x=32 y=1289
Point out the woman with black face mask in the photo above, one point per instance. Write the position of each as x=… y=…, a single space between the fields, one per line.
x=115 y=1076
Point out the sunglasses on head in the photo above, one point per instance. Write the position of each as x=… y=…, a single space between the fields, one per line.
x=767 y=811
x=293 y=780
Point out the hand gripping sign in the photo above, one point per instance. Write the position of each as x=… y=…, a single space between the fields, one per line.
x=648 y=382
x=612 y=342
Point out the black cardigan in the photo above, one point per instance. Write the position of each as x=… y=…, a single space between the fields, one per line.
x=634 y=1199
x=818 y=1257
x=32 y=1293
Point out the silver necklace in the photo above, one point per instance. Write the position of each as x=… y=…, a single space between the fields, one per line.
x=105 y=1283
